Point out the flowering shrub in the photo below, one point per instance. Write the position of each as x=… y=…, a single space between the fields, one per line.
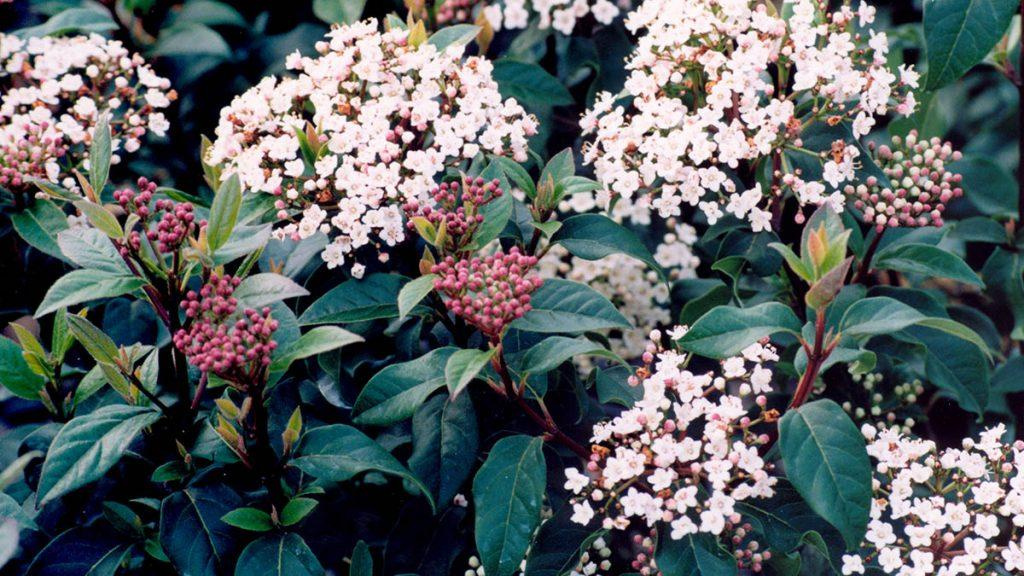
x=511 y=287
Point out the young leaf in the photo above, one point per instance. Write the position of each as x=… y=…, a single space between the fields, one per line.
x=38 y=224
x=413 y=293
x=317 y=341
x=827 y=462
x=100 y=218
x=251 y=519
x=224 y=213
x=296 y=509
x=96 y=343
x=15 y=374
x=90 y=445
x=463 y=366
x=457 y=35
x=99 y=155
x=508 y=491
x=726 y=330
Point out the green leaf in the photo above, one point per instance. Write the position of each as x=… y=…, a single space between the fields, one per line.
x=518 y=175
x=413 y=293
x=224 y=213
x=100 y=346
x=190 y=40
x=38 y=224
x=317 y=341
x=394 y=393
x=960 y=33
x=508 y=492
x=725 y=331
x=930 y=261
x=531 y=85
x=101 y=218
x=296 y=509
x=955 y=365
x=1004 y=277
x=338 y=11
x=251 y=519
x=595 y=236
x=337 y=452
x=99 y=155
x=883 y=315
x=192 y=534
x=72 y=20
x=82 y=550
x=362 y=561
x=210 y=13
x=444 y=444
x=559 y=167
x=987 y=186
x=563 y=306
x=90 y=445
x=90 y=248
x=551 y=352
x=374 y=297
x=463 y=366
x=278 y=555
x=79 y=286
x=457 y=35
x=263 y=289
x=15 y=374
x=613 y=387
x=693 y=555
x=827 y=462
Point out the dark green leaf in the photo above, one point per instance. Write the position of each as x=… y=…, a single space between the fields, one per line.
x=457 y=35
x=445 y=443
x=338 y=452
x=79 y=286
x=90 y=248
x=413 y=293
x=99 y=155
x=394 y=393
x=725 y=330
x=530 y=84
x=15 y=374
x=265 y=288
x=90 y=445
x=278 y=555
x=224 y=212
x=930 y=261
x=594 y=236
x=508 y=492
x=563 y=306
x=317 y=341
x=693 y=555
x=463 y=366
x=551 y=352
x=39 y=224
x=190 y=39
x=251 y=519
x=338 y=11
x=960 y=33
x=192 y=534
x=371 y=298
x=827 y=462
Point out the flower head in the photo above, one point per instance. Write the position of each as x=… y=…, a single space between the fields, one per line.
x=371 y=123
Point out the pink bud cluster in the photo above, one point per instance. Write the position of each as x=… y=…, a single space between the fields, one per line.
x=456 y=208
x=236 y=347
x=455 y=11
x=177 y=222
x=33 y=154
x=488 y=293
x=920 y=184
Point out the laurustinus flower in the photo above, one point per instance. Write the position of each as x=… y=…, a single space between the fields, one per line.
x=219 y=339
x=175 y=221
x=489 y=292
x=919 y=186
x=372 y=122
x=683 y=455
x=53 y=91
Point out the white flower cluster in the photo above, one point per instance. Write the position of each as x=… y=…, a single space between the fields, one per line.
x=649 y=463
x=53 y=91
x=561 y=15
x=631 y=285
x=958 y=511
x=701 y=111
x=372 y=122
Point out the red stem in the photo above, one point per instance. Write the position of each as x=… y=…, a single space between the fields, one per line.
x=815 y=358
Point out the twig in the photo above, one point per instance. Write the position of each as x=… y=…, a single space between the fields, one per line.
x=864 y=268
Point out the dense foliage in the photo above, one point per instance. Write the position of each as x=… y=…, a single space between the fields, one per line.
x=507 y=287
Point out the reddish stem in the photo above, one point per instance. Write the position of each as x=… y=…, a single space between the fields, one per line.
x=815 y=358
x=864 y=268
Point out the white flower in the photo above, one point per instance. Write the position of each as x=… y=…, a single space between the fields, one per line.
x=575 y=481
x=852 y=564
